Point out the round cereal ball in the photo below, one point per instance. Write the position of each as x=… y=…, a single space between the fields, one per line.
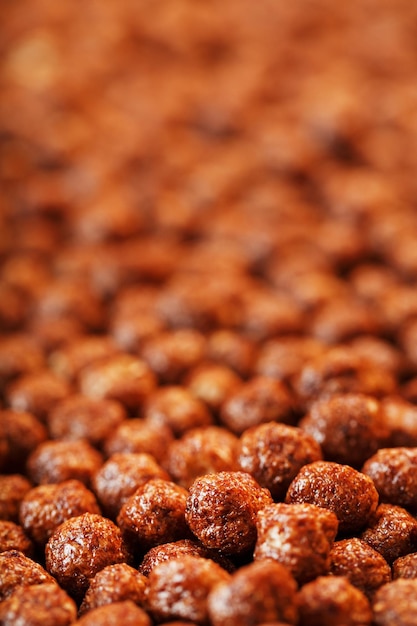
x=23 y=433
x=56 y=461
x=178 y=588
x=37 y=393
x=229 y=348
x=348 y=427
x=13 y=537
x=221 y=510
x=45 y=507
x=212 y=383
x=405 y=566
x=201 y=451
x=333 y=601
x=273 y=454
x=13 y=488
x=154 y=514
x=394 y=473
x=364 y=567
x=347 y=492
x=299 y=536
x=81 y=547
x=392 y=531
x=396 y=603
x=125 y=612
x=262 y=591
x=38 y=605
x=139 y=435
x=120 y=476
x=177 y=408
x=69 y=360
x=19 y=570
x=114 y=583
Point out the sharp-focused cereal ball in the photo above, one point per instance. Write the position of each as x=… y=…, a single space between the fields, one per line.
x=228 y=348
x=13 y=488
x=139 y=435
x=37 y=393
x=263 y=591
x=201 y=451
x=120 y=476
x=19 y=570
x=177 y=408
x=171 y=354
x=78 y=417
x=23 y=433
x=299 y=536
x=69 y=360
x=13 y=537
x=221 y=510
x=178 y=588
x=396 y=603
x=125 y=612
x=114 y=583
x=45 y=507
x=333 y=601
x=392 y=531
x=38 y=605
x=405 y=566
x=394 y=473
x=212 y=383
x=154 y=514
x=364 y=567
x=257 y=401
x=123 y=378
x=20 y=354
x=274 y=453
x=56 y=461
x=348 y=427
x=347 y=492
x=81 y=547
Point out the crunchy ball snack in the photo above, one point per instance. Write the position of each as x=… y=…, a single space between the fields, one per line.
x=177 y=408
x=394 y=473
x=37 y=393
x=348 y=493
x=299 y=536
x=395 y=603
x=124 y=612
x=69 y=360
x=139 y=435
x=23 y=432
x=13 y=537
x=19 y=570
x=260 y=592
x=392 y=531
x=212 y=383
x=13 y=488
x=38 y=605
x=221 y=510
x=114 y=583
x=405 y=566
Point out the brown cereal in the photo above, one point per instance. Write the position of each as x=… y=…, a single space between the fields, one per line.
x=394 y=473
x=19 y=354
x=38 y=605
x=139 y=435
x=392 y=531
x=55 y=461
x=299 y=536
x=178 y=588
x=212 y=383
x=396 y=603
x=201 y=451
x=284 y=357
x=120 y=476
x=379 y=352
x=263 y=591
x=333 y=601
x=114 y=583
x=273 y=454
x=51 y=334
x=171 y=354
x=269 y=313
x=23 y=433
x=339 y=320
x=400 y=418
x=364 y=567
x=405 y=566
x=78 y=417
x=68 y=361
x=19 y=570
x=130 y=330
x=125 y=612
x=45 y=507
x=81 y=547
x=348 y=427
x=177 y=408
x=13 y=488
x=123 y=378
x=13 y=537
x=221 y=510
x=37 y=393
x=228 y=348
x=350 y=494
x=259 y=400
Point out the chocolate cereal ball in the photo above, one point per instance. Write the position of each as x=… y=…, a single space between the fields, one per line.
x=45 y=507
x=396 y=603
x=177 y=408
x=350 y=494
x=81 y=547
x=69 y=360
x=364 y=567
x=299 y=536
x=178 y=588
x=23 y=433
x=392 y=531
x=333 y=601
x=154 y=514
x=201 y=451
x=120 y=476
x=221 y=510
x=405 y=566
x=56 y=461
x=263 y=591
x=140 y=435
x=13 y=488
x=114 y=583
x=125 y=612
x=228 y=348
x=38 y=605
x=19 y=570
x=13 y=537
x=273 y=454
x=37 y=393
x=212 y=383
x=394 y=473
